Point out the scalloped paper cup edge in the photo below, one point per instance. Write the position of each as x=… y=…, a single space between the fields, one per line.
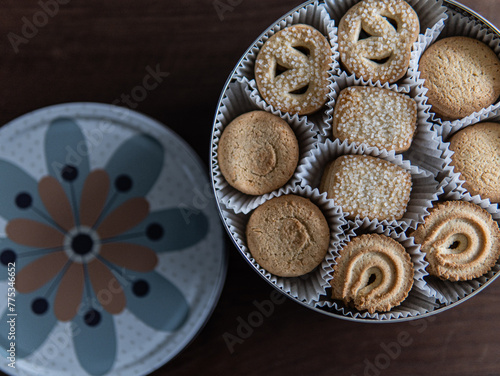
x=431 y=15
x=459 y=25
x=448 y=292
x=306 y=288
x=420 y=299
x=425 y=188
x=315 y=15
x=235 y=103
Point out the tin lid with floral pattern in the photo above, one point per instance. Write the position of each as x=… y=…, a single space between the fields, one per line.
x=111 y=248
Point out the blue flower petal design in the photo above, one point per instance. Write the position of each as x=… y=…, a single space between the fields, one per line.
x=66 y=154
x=153 y=290
x=94 y=339
x=13 y=252
x=34 y=321
x=170 y=229
x=133 y=170
x=19 y=194
x=143 y=157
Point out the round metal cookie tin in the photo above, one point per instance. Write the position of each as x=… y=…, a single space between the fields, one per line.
x=240 y=95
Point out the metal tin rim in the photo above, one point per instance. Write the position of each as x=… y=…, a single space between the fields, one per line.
x=452 y=4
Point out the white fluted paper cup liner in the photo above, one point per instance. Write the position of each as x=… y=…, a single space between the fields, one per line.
x=451 y=181
x=311 y=286
x=314 y=15
x=448 y=129
x=431 y=14
x=344 y=80
x=420 y=300
x=424 y=148
x=236 y=101
x=459 y=25
x=448 y=292
x=424 y=191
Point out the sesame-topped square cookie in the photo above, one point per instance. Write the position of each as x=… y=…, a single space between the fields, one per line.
x=367 y=186
x=375 y=116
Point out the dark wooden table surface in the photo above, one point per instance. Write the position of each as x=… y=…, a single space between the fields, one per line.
x=99 y=51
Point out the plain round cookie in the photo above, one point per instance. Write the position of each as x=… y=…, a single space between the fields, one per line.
x=460 y=239
x=373 y=272
x=477 y=158
x=288 y=236
x=462 y=76
x=258 y=153
x=291 y=69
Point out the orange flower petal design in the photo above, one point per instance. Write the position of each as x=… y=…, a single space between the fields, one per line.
x=124 y=217
x=33 y=233
x=107 y=288
x=94 y=194
x=131 y=256
x=70 y=292
x=39 y=272
x=56 y=202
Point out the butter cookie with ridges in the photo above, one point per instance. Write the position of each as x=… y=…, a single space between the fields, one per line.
x=373 y=272
x=460 y=239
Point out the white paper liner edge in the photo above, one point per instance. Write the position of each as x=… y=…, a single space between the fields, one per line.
x=425 y=188
x=419 y=300
x=459 y=25
x=448 y=292
x=234 y=103
x=306 y=288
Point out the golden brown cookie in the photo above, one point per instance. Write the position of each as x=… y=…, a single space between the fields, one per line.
x=258 y=153
x=368 y=187
x=462 y=76
x=375 y=116
x=376 y=38
x=291 y=70
x=477 y=158
x=288 y=236
x=373 y=272
x=460 y=239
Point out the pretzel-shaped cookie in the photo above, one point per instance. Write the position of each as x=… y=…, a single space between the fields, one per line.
x=385 y=53
x=291 y=69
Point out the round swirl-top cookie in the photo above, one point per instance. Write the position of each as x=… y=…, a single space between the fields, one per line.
x=376 y=38
x=258 y=152
x=291 y=69
x=477 y=158
x=460 y=239
x=373 y=272
x=288 y=235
